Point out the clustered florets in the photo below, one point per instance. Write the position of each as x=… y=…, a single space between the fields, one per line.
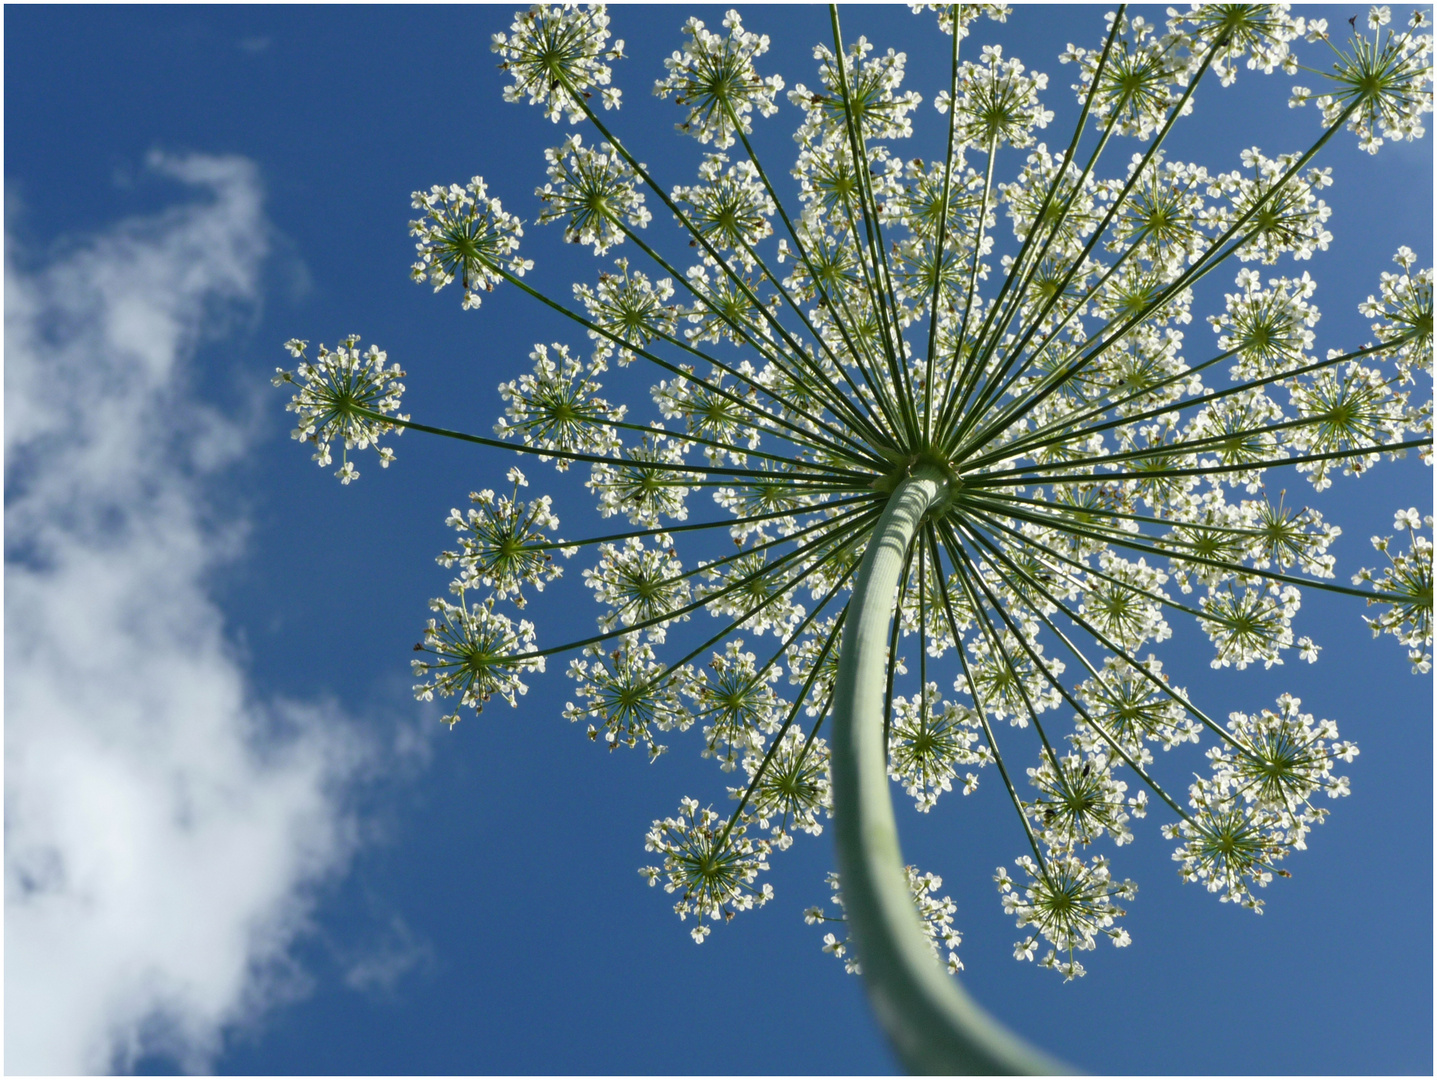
x=628 y=695
x=998 y=102
x=928 y=741
x=710 y=866
x=341 y=398
x=628 y=308
x=790 y=786
x=475 y=652
x=503 y=542
x=1079 y=800
x=556 y=54
x=714 y=78
x=1256 y=807
x=935 y=917
x=1107 y=471
x=1262 y=33
x=1407 y=578
x=1067 y=901
x=593 y=190
x=465 y=234
x=1382 y=84
x=1403 y=317
x=558 y=407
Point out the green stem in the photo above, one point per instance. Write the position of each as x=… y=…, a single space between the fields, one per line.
x=605 y=459
x=934 y=1025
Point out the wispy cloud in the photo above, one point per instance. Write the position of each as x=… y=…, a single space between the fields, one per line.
x=396 y=953
x=165 y=826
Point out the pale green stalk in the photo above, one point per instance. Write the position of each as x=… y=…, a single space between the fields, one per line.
x=934 y=1025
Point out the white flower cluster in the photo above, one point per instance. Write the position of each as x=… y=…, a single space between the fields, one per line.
x=641 y=586
x=556 y=53
x=465 y=234
x=1278 y=760
x=743 y=588
x=1109 y=471
x=628 y=307
x=714 y=78
x=1256 y=807
x=1269 y=330
x=593 y=190
x=645 y=486
x=1126 y=707
x=714 y=410
x=790 y=786
x=1068 y=902
x=1350 y=411
x=628 y=695
x=935 y=916
x=342 y=396
x=1382 y=84
x=711 y=867
x=861 y=88
x=1008 y=681
x=1406 y=583
x=478 y=652
x=928 y=741
x=1079 y=800
x=730 y=207
x=558 y=408
x=998 y=103
x=1249 y=622
x=734 y=698
x=1286 y=215
x=504 y=543
x=1403 y=316
x=1161 y=216
x=813 y=662
x=1134 y=88
x=1263 y=33
x=1123 y=600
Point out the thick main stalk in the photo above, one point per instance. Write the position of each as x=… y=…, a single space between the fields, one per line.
x=935 y=1027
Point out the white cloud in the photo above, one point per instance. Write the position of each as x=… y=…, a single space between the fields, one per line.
x=163 y=828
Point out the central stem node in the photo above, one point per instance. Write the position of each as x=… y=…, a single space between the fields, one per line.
x=926 y=465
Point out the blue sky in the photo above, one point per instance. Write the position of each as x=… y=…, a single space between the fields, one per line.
x=235 y=843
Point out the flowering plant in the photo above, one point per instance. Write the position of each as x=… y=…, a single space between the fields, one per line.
x=1019 y=459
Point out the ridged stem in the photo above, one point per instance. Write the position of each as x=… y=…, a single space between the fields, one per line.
x=933 y=1024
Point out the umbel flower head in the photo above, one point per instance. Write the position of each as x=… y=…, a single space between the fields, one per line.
x=344 y=396
x=465 y=234
x=971 y=447
x=935 y=914
x=474 y=655
x=555 y=54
